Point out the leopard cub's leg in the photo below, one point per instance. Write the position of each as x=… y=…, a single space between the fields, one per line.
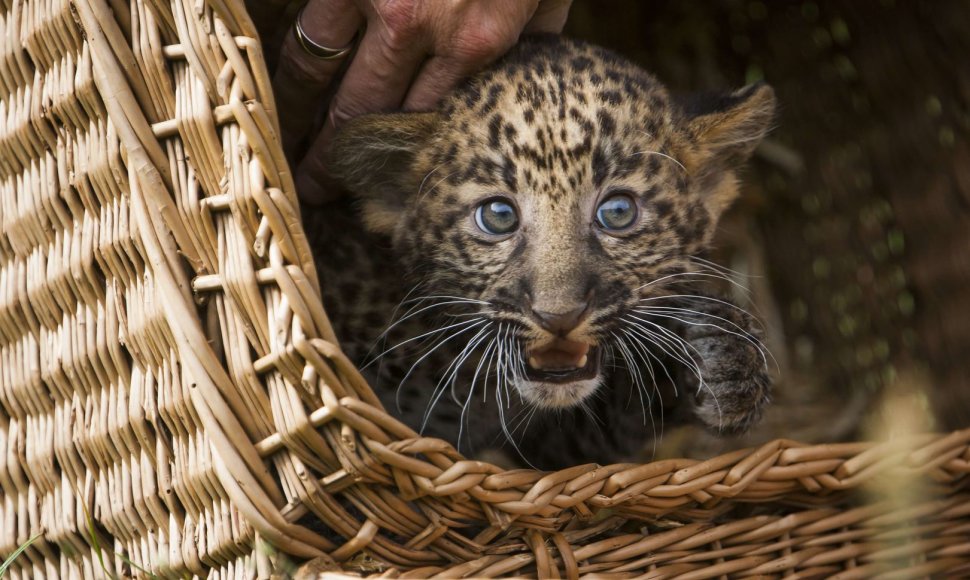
x=733 y=363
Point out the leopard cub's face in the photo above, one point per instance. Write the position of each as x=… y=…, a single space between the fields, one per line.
x=545 y=203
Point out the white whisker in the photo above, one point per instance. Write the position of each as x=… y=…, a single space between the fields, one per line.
x=645 y=334
x=635 y=376
x=420 y=336
x=702 y=298
x=669 y=343
x=397 y=396
x=451 y=373
x=471 y=391
x=720 y=268
x=664 y=312
x=695 y=369
x=664 y=155
x=694 y=276
x=410 y=314
x=637 y=350
x=448 y=297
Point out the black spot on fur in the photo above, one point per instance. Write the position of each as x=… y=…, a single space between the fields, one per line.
x=494 y=92
x=600 y=167
x=581 y=63
x=606 y=122
x=473 y=95
x=508 y=175
x=611 y=97
x=663 y=208
x=494 y=128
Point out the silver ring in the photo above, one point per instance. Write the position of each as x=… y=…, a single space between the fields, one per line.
x=317 y=50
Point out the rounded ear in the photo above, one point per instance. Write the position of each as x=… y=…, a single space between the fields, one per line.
x=728 y=127
x=725 y=129
x=373 y=158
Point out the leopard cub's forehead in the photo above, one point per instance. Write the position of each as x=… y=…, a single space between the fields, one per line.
x=552 y=117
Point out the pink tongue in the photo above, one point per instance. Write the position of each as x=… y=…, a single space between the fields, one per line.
x=560 y=354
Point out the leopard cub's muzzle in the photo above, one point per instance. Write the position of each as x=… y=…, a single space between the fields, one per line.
x=563 y=364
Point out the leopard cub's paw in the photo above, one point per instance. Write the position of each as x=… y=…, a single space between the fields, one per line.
x=732 y=407
x=736 y=384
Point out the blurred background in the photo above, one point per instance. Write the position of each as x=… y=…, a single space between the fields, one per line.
x=853 y=232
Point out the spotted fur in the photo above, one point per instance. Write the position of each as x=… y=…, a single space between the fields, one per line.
x=554 y=127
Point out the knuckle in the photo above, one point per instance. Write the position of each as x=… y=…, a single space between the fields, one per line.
x=483 y=41
x=401 y=21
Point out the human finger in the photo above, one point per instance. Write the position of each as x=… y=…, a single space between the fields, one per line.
x=549 y=17
x=377 y=80
x=437 y=77
x=387 y=61
x=302 y=79
x=478 y=37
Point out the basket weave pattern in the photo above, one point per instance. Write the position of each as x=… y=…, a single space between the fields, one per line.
x=172 y=396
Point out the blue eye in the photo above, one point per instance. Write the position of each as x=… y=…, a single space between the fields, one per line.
x=496 y=217
x=617 y=212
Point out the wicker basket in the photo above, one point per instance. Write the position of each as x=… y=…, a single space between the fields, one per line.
x=173 y=400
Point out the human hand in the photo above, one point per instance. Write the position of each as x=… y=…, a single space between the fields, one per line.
x=412 y=53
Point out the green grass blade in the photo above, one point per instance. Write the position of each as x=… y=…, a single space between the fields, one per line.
x=9 y=561
x=136 y=566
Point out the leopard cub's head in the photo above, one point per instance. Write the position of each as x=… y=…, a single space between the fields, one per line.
x=545 y=200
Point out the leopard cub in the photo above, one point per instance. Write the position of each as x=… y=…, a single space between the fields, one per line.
x=521 y=267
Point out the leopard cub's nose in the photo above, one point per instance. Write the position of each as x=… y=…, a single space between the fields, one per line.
x=562 y=323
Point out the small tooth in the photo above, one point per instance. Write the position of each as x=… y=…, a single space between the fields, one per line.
x=533 y=362
x=583 y=361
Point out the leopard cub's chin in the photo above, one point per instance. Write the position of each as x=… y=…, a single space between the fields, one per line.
x=551 y=395
x=560 y=372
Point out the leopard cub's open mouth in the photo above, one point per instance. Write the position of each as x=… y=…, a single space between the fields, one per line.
x=562 y=361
